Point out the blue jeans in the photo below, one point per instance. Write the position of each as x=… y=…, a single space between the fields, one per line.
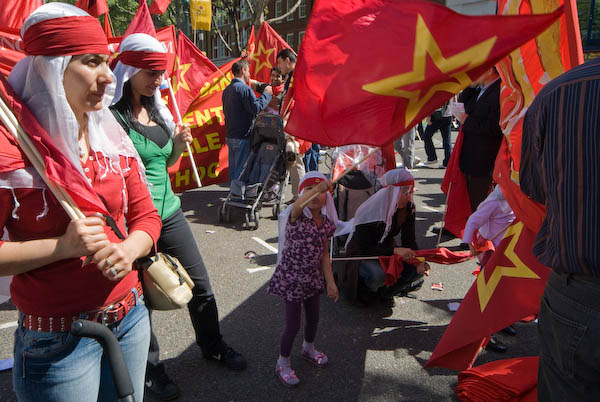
x=61 y=367
x=372 y=274
x=569 y=329
x=239 y=150
x=311 y=158
x=373 y=277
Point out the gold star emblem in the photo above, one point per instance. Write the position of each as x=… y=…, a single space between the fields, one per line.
x=485 y=290
x=458 y=65
x=179 y=76
x=260 y=62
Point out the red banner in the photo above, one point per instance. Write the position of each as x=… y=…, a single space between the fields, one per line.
x=11 y=50
x=508 y=289
x=205 y=118
x=93 y=7
x=353 y=85
x=159 y=6
x=14 y=12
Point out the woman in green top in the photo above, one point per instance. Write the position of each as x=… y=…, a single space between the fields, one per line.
x=150 y=126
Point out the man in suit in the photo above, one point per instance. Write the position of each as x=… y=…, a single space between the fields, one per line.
x=482 y=135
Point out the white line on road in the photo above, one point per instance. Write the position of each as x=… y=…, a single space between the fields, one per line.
x=8 y=324
x=265 y=244
x=254 y=270
x=429 y=208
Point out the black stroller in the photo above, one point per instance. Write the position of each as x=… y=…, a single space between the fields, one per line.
x=265 y=175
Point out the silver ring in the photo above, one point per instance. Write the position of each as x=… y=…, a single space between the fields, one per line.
x=108 y=263
x=113 y=272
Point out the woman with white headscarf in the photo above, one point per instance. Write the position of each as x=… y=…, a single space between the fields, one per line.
x=387 y=213
x=138 y=107
x=68 y=269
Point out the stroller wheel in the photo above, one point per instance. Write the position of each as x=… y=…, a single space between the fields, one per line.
x=224 y=214
x=247 y=219
x=256 y=218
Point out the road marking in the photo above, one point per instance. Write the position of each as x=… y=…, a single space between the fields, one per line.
x=429 y=208
x=254 y=270
x=9 y=324
x=265 y=244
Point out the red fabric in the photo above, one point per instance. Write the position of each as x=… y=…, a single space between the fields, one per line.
x=342 y=102
x=454 y=185
x=251 y=45
x=107 y=29
x=313 y=181
x=190 y=74
x=141 y=22
x=502 y=380
x=65 y=287
x=11 y=49
x=444 y=256
x=13 y=14
x=507 y=289
x=94 y=8
x=264 y=55
x=392 y=268
x=389 y=157
x=65 y=36
x=11 y=156
x=146 y=60
x=159 y=6
x=540 y=60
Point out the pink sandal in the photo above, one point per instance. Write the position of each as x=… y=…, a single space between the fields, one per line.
x=317 y=358
x=288 y=378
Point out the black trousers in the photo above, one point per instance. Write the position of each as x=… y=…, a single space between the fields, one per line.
x=443 y=125
x=176 y=239
x=478 y=188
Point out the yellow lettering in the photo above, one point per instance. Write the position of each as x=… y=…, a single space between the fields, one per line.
x=212 y=170
x=189 y=120
x=213 y=141
x=197 y=148
x=185 y=177
x=203 y=117
x=201 y=172
x=218 y=112
x=215 y=88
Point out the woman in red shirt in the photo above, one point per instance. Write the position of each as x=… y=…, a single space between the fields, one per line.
x=67 y=269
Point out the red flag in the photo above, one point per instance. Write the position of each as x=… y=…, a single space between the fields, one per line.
x=191 y=71
x=14 y=14
x=506 y=290
x=141 y=22
x=251 y=45
x=264 y=57
x=93 y=7
x=524 y=72
x=354 y=85
x=205 y=118
x=454 y=185
x=159 y=6
x=59 y=168
x=502 y=380
x=107 y=29
x=11 y=50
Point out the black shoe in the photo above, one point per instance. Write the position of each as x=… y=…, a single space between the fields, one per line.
x=159 y=385
x=387 y=301
x=229 y=357
x=463 y=246
x=510 y=330
x=495 y=345
x=445 y=232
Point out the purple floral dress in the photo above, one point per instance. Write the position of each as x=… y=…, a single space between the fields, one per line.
x=298 y=275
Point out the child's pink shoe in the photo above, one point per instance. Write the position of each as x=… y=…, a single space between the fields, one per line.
x=317 y=358
x=287 y=376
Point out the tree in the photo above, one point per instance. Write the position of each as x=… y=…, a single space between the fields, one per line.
x=230 y=11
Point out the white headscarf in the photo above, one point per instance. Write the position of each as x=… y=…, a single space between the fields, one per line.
x=38 y=81
x=382 y=205
x=328 y=210
x=141 y=42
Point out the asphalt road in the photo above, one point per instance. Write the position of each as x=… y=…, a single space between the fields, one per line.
x=376 y=353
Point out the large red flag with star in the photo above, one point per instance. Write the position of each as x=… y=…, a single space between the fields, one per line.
x=508 y=289
x=355 y=85
x=264 y=58
x=191 y=71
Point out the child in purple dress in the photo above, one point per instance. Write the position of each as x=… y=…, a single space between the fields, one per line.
x=304 y=270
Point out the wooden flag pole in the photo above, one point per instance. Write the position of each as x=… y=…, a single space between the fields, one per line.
x=187 y=146
x=444 y=216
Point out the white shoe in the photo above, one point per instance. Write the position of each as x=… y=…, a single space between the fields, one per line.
x=441 y=166
x=416 y=161
x=429 y=163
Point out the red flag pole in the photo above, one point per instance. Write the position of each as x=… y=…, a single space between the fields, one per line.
x=187 y=146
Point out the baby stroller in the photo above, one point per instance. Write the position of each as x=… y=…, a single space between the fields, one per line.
x=264 y=177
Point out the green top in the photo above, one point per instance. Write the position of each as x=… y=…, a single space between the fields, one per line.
x=154 y=159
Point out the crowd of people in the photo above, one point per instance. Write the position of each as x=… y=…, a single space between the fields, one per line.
x=117 y=134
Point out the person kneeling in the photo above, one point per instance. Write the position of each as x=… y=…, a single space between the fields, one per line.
x=377 y=222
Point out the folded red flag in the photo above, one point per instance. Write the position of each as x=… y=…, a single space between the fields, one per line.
x=355 y=86
x=500 y=380
x=506 y=290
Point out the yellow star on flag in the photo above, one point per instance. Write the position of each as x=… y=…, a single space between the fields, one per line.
x=260 y=62
x=458 y=65
x=179 y=77
x=485 y=290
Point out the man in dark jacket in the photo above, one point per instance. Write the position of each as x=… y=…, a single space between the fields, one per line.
x=240 y=107
x=482 y=135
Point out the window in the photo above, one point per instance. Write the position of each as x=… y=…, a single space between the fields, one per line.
x=221 y=49
x=215 y=49
x=278 y=11
x=589 y=23
x=290 y=4
x=289 y=38
x=300 y=37
x=302 y=10
x=244 y=11
x=245 y=35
